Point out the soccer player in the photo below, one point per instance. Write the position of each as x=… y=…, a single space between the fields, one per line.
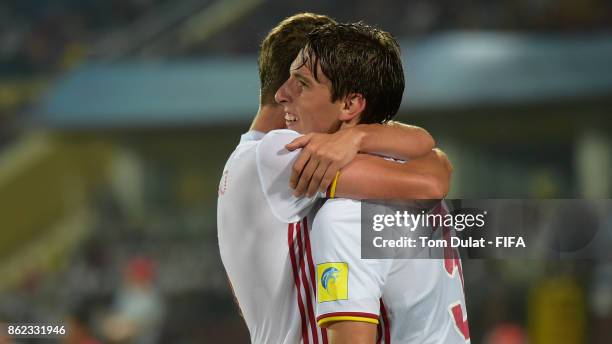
x=264 y=248
x=413 y=300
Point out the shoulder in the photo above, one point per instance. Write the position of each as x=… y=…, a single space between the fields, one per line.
x=279 y=137
x=272 y=146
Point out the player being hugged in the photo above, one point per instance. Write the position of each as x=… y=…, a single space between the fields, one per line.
x=275 y=175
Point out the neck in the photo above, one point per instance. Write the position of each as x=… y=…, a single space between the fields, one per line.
x=349 y=124
x=269 y=117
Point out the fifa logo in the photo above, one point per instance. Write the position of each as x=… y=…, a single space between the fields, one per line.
x=332 y=281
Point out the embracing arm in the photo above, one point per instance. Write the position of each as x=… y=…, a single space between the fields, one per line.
x=394 y=140
x=324 y=154
x=364 y=177
x=370 y=177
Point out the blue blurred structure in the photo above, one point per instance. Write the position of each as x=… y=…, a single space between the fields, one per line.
x=450 y=71
x=151 y=94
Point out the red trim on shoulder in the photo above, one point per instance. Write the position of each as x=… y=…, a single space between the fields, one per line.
x=347 y=314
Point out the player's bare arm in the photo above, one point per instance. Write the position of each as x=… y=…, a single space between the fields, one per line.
x=351 y=332
x=395 y=140
x=324 y=154
x=371 y=177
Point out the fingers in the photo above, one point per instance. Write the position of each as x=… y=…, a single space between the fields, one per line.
x=315 y=181
x=298 y=167
x=304 y=181
x=328 y=178
x=300 y=142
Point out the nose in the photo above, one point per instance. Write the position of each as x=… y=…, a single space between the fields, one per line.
x=282 y=94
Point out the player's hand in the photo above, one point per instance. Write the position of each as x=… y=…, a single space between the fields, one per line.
x=323 y=155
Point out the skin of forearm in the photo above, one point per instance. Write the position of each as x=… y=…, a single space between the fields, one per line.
x=394 y=140
x=369 y=177
x=350 y=332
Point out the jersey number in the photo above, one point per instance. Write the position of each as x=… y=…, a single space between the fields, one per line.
x=452 y=265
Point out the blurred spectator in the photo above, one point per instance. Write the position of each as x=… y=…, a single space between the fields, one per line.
x=507 y=334
x=138 y=311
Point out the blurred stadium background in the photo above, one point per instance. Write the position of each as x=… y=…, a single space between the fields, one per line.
x=116 y=118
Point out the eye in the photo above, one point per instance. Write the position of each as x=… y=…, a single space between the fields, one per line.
x=302 y=83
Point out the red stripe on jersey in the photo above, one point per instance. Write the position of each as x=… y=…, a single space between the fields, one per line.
x=296 y=278
x=387 y=327
x=309 y=256
x=323 y=334
x=313 y=326
x=347 y=314
x=381 y=325
x=312 y=272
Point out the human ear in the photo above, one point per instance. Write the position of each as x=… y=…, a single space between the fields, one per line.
x=353 y=106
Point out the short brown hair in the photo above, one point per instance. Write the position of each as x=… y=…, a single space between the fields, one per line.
x=279 y=49
x=358 y=58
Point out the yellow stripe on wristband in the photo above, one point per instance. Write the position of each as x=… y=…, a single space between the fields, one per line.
x=332 y=191
x=325 y=321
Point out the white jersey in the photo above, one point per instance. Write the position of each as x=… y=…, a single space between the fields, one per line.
x=412 y=300
x=264 y=246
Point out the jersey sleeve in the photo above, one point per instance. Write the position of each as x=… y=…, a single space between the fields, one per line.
x=348 y=288
x=274 y=167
